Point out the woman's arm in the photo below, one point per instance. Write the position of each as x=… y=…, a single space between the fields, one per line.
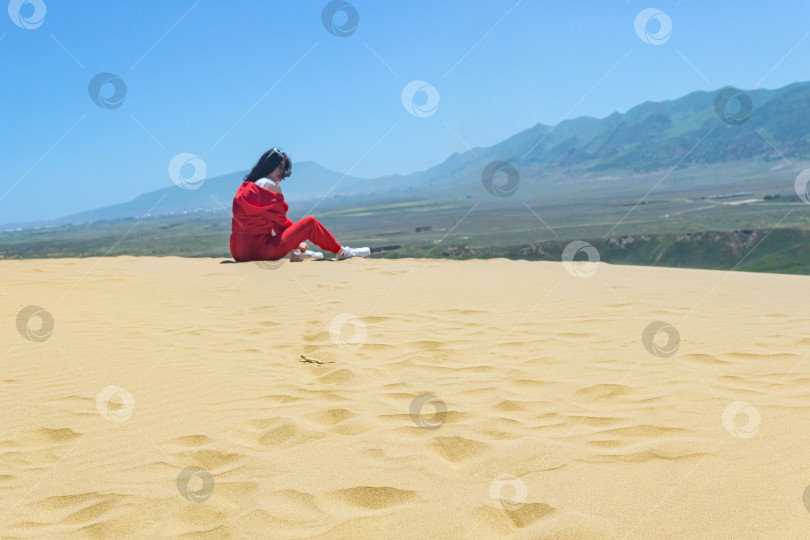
x=270 y=185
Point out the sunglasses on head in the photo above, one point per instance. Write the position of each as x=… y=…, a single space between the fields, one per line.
x=280 y=152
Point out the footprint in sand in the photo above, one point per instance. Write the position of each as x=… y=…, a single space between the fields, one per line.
x=81 y=508
x=38 y=449
x=55 y=436
x=330 y=417
x=212 y=460
x=529 y=513
x=599 y=392
x=502 y=519
x=292 y=505
x=375 y=498
x=190 y=441
x=236 y=492
x=271 y=432
x=338 y=377
x=456 y=449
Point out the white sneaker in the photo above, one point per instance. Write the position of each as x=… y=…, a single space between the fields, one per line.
x=347 y=253
x=298 y=255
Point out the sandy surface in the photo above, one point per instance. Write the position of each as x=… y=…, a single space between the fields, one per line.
x=170 y=400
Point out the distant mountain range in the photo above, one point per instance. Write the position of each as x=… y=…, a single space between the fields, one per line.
x=686 y=132
x=310 y=180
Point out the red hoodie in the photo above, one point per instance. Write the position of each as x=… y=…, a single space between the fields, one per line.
x=255 y=212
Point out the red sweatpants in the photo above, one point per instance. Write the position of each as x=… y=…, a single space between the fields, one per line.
x=308 y=228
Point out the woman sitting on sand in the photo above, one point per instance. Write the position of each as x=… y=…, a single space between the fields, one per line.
x=261 y=230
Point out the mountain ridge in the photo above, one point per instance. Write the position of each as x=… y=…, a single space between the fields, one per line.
x=680 y=133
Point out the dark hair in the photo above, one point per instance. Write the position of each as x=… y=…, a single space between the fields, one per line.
x=268 y=163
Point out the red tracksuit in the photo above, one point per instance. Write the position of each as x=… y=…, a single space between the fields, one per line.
x=257 y=210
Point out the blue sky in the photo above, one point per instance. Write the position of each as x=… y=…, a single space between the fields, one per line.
x=228 y=80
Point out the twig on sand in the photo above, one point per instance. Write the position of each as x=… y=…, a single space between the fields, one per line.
x=313 y=360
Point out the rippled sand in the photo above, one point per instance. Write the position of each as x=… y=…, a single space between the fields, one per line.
x=470 y=399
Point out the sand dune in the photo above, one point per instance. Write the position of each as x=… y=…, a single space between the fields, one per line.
x=167 y=397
